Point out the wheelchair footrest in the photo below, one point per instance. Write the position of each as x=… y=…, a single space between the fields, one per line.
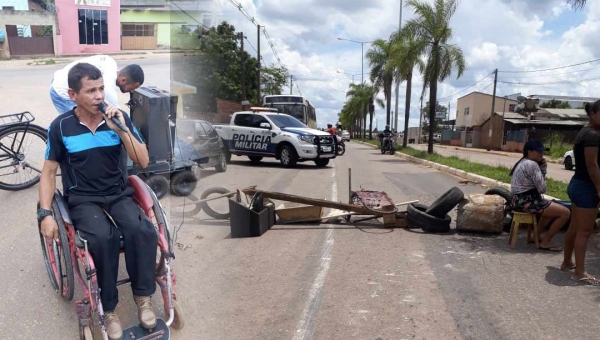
x=160 y=332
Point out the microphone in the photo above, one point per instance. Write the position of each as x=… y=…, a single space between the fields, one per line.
x=102 y=108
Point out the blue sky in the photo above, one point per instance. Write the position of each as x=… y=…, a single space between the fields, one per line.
x=503 y=34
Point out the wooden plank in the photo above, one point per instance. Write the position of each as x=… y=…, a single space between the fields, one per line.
x=310 y=201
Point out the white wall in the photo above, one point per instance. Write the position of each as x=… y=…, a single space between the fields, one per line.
x=19 y=5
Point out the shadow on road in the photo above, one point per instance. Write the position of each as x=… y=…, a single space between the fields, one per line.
x=272 y=165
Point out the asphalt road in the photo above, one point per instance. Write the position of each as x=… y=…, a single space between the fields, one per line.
x=325 y=281
x=555 y=171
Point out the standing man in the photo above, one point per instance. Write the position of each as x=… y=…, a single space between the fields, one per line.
x=88 y=146
x=127 y=80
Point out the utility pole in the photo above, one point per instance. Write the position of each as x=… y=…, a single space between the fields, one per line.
x=243 y=75
x=258 y=58
x=291 y=83
x=398 y=82
x=489 y=146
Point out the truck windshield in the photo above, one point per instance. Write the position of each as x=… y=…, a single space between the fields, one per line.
x=285 y=121
x=295 y=110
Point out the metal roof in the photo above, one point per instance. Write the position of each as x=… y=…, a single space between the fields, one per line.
x=511 y=115
x=566 y=113
x=545 y=122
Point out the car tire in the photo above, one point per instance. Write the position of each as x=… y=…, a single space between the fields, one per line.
x=417 y=217
x=446 y=202
x=569 y=163
x=205 y=205
x=222 y=166
x=288 y=156
x=322 y=162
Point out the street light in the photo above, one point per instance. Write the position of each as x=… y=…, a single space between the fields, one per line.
x=338 y=71
x=362 y=43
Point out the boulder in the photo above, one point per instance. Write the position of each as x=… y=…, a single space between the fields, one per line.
x=481 y=213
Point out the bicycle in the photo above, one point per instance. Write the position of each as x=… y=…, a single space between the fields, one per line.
x=22 y=151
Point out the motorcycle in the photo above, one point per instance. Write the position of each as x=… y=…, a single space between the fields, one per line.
x=341 y=147
x=387 y=143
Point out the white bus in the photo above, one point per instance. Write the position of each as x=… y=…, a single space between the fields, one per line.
x=294 y=105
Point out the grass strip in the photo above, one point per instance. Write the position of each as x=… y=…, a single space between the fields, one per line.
x=556 y=188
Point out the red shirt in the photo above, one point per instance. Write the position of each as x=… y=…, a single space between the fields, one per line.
x=332 y=131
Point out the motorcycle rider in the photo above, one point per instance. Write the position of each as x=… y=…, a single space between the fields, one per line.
x=330 y=129
x=386 y=131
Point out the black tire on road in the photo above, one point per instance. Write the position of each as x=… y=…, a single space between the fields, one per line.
x=568 y=163
x=183 y=183
x=417 y=217
x=322 y=162
x=158 y=184
x=341 y=150
x=445 y=203
x=288 y=156
x=207 y=209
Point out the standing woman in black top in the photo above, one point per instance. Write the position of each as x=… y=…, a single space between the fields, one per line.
x=584 y=192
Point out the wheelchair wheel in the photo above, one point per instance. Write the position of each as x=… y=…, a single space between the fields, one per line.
x=65 y=269
x=158 y=219
x=48 y=258
x=179 y=320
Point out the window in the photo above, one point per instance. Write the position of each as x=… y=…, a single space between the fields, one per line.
x=258 y=120
x=207 y=127
x=93 y=27
x=188 y=29
x=466 y=111
x=207 y=20
x=8 y=8
x=243 y=120
x=511 y=107
x=138 y=30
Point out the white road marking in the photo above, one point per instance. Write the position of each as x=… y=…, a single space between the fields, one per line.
x=306 y=326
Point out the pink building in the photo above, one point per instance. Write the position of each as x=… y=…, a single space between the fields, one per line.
x=88 y=26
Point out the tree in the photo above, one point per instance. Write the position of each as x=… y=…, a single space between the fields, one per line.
x=431 y=26
x=577 y=4
x=405 y=55
x=219 y=69
x=362 y=96
x=555 y=104
x=273 y=79
x=382 y=77
x=438 y=121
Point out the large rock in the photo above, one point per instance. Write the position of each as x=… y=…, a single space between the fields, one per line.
x=481 y=213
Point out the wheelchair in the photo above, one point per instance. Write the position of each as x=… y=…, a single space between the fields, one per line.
x=64 y=257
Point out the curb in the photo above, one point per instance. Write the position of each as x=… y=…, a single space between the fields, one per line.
x=491 y=152
x=492 y=183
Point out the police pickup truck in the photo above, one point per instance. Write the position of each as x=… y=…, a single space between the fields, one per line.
x=262 y=132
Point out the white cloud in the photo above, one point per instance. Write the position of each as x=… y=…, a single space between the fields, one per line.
x=503 y=34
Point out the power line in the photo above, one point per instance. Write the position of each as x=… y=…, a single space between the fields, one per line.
x=554 y=68
x=560 y=74
x=463 y=90
x=272 y=46
x=549 y=83
x=182 y=10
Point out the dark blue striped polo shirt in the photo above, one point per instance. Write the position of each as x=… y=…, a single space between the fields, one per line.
x=89 y=162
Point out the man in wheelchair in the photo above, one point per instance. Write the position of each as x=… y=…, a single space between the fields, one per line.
x=87 y=145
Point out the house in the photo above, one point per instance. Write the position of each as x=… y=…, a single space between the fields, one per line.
x=28 y=27
x=474 y=108
x=160 y=24
x=88 y=26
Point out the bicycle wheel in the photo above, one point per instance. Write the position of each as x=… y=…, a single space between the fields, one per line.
x=22 y=154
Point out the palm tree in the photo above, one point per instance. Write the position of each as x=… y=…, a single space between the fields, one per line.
x=405 y=54
x=577 y=4
x=363 y=96
x=381 y=76
x=432 y=27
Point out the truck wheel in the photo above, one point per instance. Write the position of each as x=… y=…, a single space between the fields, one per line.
x=288 y=157
x=227 y=153
x=322 y=162
x=255 y=159
x=183 y=183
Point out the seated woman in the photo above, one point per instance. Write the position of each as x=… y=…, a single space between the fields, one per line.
x=527 y=187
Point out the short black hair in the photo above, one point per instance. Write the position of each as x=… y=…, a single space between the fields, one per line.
x=134 y=73
x=80 y=71
x=592 y=107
